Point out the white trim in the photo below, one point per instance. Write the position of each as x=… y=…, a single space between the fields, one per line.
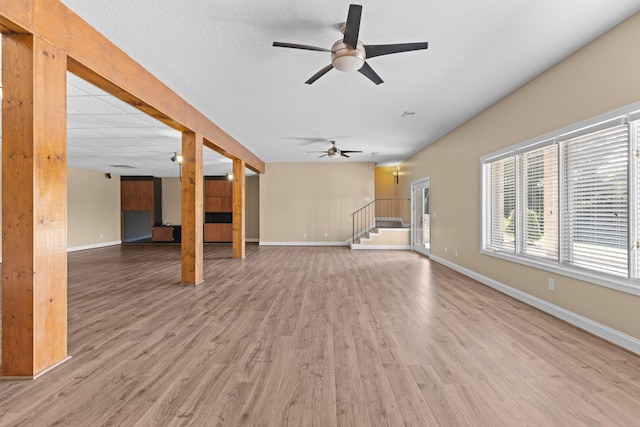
x=251 y=240
x=305 y=243
x=621 y=284
x=384 y=247
x=422 y=250
x=39 y=374
x=598 y=329
x=94 y=246
x=421 y=183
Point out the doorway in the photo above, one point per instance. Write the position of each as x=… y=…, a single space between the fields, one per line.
x=421 y=218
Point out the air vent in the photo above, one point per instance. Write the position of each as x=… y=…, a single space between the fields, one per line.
x=408 y=113
x=122 y=166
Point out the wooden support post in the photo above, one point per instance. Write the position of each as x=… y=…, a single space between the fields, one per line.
x=192 y=209
x=238 y=208
x=34 y=206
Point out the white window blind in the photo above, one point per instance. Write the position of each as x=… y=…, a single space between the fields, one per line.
x=501 y=215
x=538 y=231
x=634 y=133
x=595 y=210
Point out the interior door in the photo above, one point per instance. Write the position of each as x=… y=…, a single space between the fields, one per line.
x=421 y=218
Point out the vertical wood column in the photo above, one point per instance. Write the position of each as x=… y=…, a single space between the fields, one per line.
x=34 y=206
x=192 y=209
x=238 y=208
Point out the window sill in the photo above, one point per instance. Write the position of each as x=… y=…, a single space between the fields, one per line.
x=611 y=282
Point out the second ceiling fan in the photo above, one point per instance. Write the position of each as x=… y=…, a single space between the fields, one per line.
x=335 y=151
x=350 y=54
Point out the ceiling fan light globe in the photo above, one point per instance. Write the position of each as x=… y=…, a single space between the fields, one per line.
x=348 y=63
x=345 y=58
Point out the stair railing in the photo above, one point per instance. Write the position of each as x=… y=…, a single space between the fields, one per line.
x=389 y=213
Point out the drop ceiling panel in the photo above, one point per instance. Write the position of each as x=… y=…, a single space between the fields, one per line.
x=121 y=120
x=91 y=105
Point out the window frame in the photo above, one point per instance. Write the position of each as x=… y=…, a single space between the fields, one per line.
x=624 y=115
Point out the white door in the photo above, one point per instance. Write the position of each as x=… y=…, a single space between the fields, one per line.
x=421 y=219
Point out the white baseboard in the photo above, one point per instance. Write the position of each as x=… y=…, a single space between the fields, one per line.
x=304 y=243
x=598 y=329
x=384 y=247
x=251 y=240
x=94 y=246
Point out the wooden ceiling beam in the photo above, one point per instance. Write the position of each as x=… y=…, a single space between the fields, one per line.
x=94 y=58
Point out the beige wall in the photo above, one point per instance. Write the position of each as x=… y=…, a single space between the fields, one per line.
x=93 y=208
x=312 y=199
x=386 y=187
x=603 y=76
x=172 y=201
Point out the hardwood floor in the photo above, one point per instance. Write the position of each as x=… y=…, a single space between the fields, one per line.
x=314 y=337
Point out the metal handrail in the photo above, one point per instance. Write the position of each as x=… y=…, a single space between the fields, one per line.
x=390 y=213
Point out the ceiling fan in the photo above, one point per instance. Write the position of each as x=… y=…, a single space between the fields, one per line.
x=350 y=54
x=335 y=151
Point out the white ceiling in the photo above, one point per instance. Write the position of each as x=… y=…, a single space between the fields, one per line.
x=218 y=56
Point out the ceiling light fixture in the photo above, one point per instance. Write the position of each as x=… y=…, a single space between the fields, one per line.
x=345 y=58
x=177 y=157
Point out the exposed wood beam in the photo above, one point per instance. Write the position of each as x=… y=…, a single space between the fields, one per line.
x=99 y=61
x=238 y=208
x=34 y=206
x=192 y=209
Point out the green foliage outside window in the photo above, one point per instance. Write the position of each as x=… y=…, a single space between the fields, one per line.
x=534 y=230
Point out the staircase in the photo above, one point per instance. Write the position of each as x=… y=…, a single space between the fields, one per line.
x=385 y=238
x=382 y=224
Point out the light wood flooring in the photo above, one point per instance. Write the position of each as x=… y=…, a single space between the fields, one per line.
x=296 y=336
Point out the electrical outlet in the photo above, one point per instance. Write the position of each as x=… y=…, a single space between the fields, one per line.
x=455 y=253
x=551 y=284
x=304 y=235
x=446 y=249
x=326 y=234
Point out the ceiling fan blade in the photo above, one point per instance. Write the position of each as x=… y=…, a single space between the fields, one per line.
x=324 y=155
x=370 y=74
x=352 y=29
x=323 y=151
x=350 y=151
x=319 y=74
x=344 y=155
x=300 y=46
x=374 y=50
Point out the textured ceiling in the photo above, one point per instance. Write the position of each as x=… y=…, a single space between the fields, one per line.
x=218 y=56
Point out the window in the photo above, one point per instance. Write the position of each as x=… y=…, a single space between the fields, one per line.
x=595 y=211
x=568 y=201
x=539 y=219
x=502 y=205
